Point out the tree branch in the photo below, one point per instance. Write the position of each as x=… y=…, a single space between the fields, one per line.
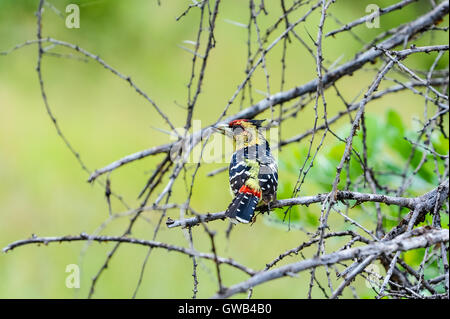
x=417 y=238
x=428 y=198
x=403 y=33
x=136 y=241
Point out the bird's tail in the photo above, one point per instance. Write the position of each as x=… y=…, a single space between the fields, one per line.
x=242 y=208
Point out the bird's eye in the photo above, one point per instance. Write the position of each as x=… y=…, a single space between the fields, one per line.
x=237 y=129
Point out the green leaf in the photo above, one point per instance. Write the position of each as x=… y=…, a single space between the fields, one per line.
x=394 y=120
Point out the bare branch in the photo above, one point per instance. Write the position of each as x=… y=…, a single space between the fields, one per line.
x=129 y=240
x=368 y=17
x=417 y=239
x=411 y=203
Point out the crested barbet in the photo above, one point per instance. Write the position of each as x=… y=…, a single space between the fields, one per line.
x=253 y=172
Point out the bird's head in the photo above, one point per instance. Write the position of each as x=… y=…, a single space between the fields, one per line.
x=243 y=131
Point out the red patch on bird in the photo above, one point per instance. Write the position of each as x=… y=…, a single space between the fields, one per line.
x=236 y=122
x=247 y=190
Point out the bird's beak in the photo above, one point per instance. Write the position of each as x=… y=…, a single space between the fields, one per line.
x=223 y=129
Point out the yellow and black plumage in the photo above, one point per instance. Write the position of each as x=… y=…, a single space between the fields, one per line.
x=253 y=172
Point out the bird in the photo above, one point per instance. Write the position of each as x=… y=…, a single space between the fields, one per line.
x=253 y=171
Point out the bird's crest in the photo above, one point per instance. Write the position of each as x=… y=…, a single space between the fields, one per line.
x=246 y=122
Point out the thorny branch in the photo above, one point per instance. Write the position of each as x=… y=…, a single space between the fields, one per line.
x=386 y=55
x=413 y=240
x=343 y=196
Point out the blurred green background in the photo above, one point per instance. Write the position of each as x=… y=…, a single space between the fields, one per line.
x=44 y=191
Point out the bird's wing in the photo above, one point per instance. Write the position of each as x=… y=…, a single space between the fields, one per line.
x=239 y=173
